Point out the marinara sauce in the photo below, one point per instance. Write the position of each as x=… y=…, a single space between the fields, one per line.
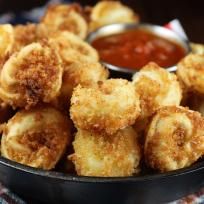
x=135 y=48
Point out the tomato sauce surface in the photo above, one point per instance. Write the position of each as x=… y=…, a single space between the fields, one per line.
x=135 y=48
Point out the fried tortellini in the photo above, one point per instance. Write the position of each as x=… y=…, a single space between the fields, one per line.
x=108 y=107
x=109 y=12
x=66 y=18
x=105 y=156
x=37 y=137
x=156 y=87
x=50 y=74
x=30 y=76
x=72 y=48
x=175 y=139
x=191 y=72
x=84 y=72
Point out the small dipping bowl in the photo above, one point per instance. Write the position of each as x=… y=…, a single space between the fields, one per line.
x=156 y=30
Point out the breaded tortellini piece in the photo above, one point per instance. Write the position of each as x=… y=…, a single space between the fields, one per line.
x=190 y=70
x=66 y=18
x=85 y=73
x=72 y=48
x=37 y=137
x=197 y=48
x=108 y=107
x=156 y=87
x=32 y=75
x=105 y=156
x=109 y=12
x=6 y=42
x=175 y=139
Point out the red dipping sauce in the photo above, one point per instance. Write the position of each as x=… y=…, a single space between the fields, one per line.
x=135 y=48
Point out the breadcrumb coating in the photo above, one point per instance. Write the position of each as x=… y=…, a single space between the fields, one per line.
x=156 y=87
x=175 y=139
x=29 y=33
x=66 y=18
x=105 y=156
x=118 y=122
x=85 y=73
x=109 y=12
x=32 y=75
x=108 y=107
x=24 y=35
x=190 y=71
x=36 y=138
x=197 y=48
x=6 y=42
x=72 y=48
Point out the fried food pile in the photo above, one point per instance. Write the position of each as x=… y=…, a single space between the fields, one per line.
x=58 y=104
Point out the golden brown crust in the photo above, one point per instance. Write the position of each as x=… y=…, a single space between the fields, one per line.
x=108 y=107
x=36 y=138
x=7 y=42
x=109 y=12
x=72 y=48
x=105 y=156
x=197 y=48
x=175 y=139
x=65 y=18
x=32 y=75
x=24 y=35
x=156 y=87
x=85 y=73
x=190 y=71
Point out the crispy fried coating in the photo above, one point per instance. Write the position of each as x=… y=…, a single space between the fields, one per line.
x=72 y=48
x=190 y=71
x=175 y=139
x=6 y=41
x=24 y=35
x=156 y=88
x=86 y=73
x=66 y=18
x=197 y=48
x=32 y=75
x=36 y=138
x=109 y=12
x=105 y=156
x=29 y=33
x=108 y=107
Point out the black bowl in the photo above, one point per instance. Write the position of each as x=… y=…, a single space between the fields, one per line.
x=55 y=187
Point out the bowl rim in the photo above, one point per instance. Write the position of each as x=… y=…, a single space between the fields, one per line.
x=90 y=179
x=128 y=26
